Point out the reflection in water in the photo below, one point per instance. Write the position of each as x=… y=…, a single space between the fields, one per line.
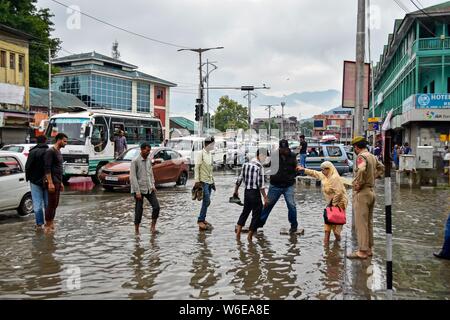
x=332 y=274
x=261 y=273
x=145 y=269
x=204 y=269
x=46 y=281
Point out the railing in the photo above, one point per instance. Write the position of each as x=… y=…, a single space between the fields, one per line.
x=432 y=44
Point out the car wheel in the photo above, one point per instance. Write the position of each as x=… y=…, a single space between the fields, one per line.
x=26 y=205
x=108 y=188
x=182 y=179
x=96 y=177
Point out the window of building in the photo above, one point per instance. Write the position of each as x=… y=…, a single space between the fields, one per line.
x=21 y=63
x=160 y=96
x=12 y=60
x=143 y=97
x=3 y=59
x=432 y=87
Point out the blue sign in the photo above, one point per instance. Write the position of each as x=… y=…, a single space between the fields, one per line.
x=432 y=101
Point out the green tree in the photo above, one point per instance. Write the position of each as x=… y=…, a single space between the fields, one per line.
x=24 y=16
x=230 y=115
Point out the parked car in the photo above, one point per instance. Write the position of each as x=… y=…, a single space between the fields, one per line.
x=20 y=148
x=335 y=153
x=168 y=166
x=294 y=145
x=350 y=156
x=15 y=193
x=188 y=147
x=235 y=154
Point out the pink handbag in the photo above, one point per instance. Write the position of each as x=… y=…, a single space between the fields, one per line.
x=334 y=215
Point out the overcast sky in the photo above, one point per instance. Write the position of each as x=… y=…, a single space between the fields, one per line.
x=289 y=45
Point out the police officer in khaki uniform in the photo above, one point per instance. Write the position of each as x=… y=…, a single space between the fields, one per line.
x=368 y=168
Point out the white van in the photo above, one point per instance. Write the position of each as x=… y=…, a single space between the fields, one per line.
x=188 y=147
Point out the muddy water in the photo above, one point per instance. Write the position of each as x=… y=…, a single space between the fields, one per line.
x=95 y=237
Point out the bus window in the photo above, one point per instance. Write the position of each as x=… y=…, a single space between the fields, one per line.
x=99 y=137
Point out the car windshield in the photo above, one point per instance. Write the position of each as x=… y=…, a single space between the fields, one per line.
x=13 y=148
x=74 y=128
x=180 y=145
x=129 y=155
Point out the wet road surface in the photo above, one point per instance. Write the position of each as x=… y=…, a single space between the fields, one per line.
x=95 y=236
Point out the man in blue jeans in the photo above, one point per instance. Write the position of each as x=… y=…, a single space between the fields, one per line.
x=203 y=175
x=445 y=252
x=303 y=152
x=35 y=173
x=282 y=183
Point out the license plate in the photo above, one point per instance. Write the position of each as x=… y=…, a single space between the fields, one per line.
x=112 y=178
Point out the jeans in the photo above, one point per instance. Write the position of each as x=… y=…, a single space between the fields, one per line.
x=53 y=202
x=303 y=160
x=275 y=194
x=206 y=201
x=40 y=201
x=252 y=203
x=446 y=246
x=139 y=208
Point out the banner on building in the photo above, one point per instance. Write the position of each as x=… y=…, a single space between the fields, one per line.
x=349 y=85
x=12 y=94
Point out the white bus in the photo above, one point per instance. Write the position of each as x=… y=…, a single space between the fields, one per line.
x=91 y=137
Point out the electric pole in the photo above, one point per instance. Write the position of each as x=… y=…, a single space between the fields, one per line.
x=49 y=83
x=282 y=119
x=208 y=119
x=269 y=107
x=201 y=88
x=360 y=51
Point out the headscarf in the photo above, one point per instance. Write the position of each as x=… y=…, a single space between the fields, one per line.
x=332 y=187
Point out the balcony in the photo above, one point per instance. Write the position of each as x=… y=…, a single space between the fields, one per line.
x=432 y=44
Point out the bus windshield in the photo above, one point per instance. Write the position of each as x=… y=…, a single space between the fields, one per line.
x=74 y=128
x=180 y=145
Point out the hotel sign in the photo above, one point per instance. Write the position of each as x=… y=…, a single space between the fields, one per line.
x=427 y=101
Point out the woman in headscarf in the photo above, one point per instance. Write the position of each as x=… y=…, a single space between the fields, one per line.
x=334 y=192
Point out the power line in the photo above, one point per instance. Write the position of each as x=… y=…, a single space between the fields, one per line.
x=120 y=28
x=426 y=13
x=400 y=4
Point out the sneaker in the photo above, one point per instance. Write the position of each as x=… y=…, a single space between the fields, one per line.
x=202 y=226
x=440 y=255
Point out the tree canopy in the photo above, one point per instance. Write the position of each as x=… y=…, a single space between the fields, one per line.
x=230 y=115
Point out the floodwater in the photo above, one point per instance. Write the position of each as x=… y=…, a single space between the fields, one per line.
x=94 y=253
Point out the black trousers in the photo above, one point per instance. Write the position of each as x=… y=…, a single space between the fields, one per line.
x=139 y=208
x=252 y=203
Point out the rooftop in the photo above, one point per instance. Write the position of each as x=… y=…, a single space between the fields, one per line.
x=39 y=98
x=118 y=67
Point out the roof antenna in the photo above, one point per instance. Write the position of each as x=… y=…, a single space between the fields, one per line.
x=115 y=50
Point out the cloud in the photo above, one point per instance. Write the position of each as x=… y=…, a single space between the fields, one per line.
x=266 y=41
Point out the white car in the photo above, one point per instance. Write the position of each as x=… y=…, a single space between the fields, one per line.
x=20 y=148
x=14 y=189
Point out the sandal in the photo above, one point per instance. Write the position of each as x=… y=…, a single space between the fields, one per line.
x=354 y=255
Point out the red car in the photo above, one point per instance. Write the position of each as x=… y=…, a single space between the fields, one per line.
x=168 y=166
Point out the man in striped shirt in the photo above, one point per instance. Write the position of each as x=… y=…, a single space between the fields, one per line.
x=252 y=175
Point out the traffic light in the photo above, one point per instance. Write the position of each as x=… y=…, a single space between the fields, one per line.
x=199 y=110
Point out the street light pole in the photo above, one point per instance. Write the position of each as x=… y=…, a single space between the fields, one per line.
x=360 y=51
x=200 y=89
x=49 y=82
x=269 y=107
x=282 y=119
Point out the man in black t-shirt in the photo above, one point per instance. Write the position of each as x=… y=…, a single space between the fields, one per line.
x=53 y=166
x=282 y=183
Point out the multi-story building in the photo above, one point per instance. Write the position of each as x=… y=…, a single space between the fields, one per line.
x=336 y=124
x=412 y=78
x=14 y=85
x=290 y=125
x=103 y=82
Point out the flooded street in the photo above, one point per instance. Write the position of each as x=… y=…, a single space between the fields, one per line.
x=95 y=233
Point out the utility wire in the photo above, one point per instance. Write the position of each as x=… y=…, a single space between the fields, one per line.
x=426 y=13
x=120 y=28
x=400 y=4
